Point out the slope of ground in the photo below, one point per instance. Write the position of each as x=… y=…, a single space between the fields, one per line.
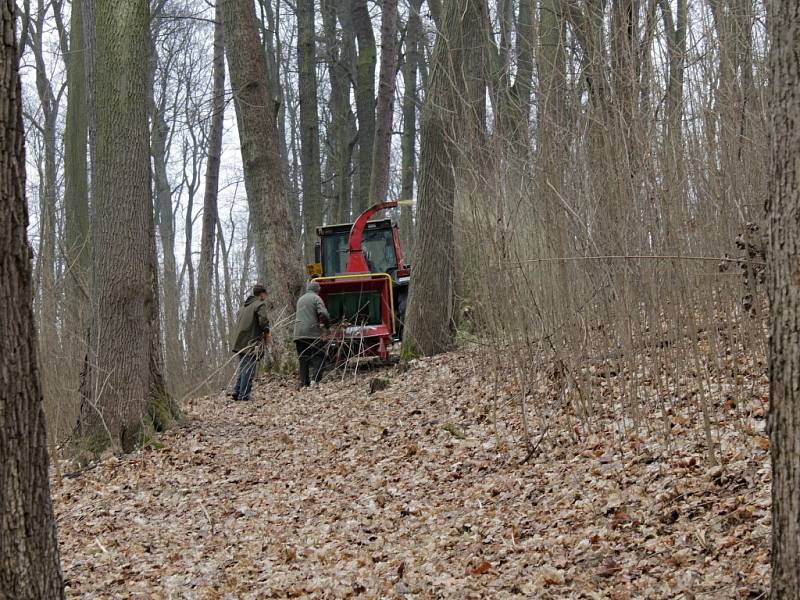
x=415 y=492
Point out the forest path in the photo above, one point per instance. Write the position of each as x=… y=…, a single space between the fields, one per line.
x=410 y=492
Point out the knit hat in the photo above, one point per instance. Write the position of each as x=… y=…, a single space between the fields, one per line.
x=259 y=289
x=313 y=286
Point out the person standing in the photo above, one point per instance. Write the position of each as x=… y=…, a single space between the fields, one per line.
x=252 y=327
x=310 y=316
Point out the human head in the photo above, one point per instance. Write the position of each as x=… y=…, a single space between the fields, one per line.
x=313 y=286
x=259 y=291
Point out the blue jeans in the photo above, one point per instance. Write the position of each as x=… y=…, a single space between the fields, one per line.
x=244 y=376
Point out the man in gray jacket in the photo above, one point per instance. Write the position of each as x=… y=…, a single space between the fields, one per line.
x=310 y=316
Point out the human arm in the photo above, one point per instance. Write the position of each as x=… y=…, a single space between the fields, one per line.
x=322 y=312
x=263 y=319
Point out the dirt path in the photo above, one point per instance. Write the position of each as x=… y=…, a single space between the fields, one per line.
x=410 y=492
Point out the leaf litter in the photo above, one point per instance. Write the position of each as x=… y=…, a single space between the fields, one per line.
x=414 y=491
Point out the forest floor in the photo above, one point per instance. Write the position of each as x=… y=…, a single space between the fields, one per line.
x=415 y=491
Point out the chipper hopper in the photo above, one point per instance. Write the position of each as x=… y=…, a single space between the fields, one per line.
x=364 y=283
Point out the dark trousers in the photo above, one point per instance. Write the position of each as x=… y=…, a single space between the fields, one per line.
x=244 y=376
x=311 y=356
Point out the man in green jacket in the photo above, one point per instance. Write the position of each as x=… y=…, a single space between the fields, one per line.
x=252 y=327
x=310 y=316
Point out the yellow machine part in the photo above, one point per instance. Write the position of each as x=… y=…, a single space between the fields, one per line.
x=314 y=269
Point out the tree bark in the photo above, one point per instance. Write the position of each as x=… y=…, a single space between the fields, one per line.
x=199 y=350
x=341 y=129
x=124 y=346
x=49 y=103
x=409 y=140
x=674 y=179
x=365 y=100
x=309 y=124
x=29 y=563
x=381 y=155
x=552 y=149
x=264 y=174
x=452 y=126
x=784 y=288
x=76 y=195
x=435 y=6
x=159 y=135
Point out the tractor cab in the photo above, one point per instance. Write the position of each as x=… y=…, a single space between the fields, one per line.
x=380 y=244
x=363 y=281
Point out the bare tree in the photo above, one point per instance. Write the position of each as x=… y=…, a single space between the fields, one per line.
x=160 y=141
x=49 y=104
x=452 y=120
x=365 y=98
x=278 y=262
x=381 y=155
x=29 y=564
x=309 y=123
x=125 y=378
x=408 y=166
x=784 y=288
x=76 y=196
x=340 y=131
x=200 y=344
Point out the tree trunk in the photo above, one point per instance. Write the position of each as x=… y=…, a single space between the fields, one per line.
x=309 y=124
x=340 y=130
x=265 y=180
x=48 y=101
x=273 y=48
x=552 y=149
x=381 y=155
x=365 y=100
x=408 y=169
x=674 y=179
x=165 y=221
x=199 y=350
x=453 y=113
x=123 y=335
x=784 y=287
x=29 y=564
x=435 y=7
x=90 y=44
x=76 y=197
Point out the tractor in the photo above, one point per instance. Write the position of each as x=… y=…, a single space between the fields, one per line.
x=363 y=282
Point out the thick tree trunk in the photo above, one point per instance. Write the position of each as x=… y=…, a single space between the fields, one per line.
x=381 y=155
x=365 y=100
x=199 y=350
x=123 y=338
x=265 y=180
x=309 y=124
x=784 y=287
x=29 y=565
x=452 y=126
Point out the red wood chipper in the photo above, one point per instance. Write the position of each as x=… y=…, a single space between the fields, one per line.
x=364 y=283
